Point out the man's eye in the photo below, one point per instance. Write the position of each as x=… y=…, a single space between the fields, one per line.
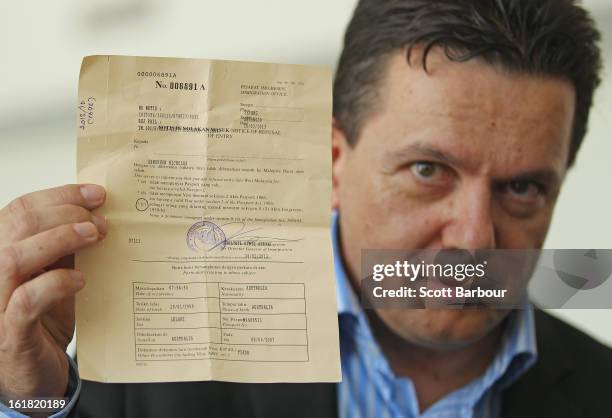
x=524 y=189
x=426 y=170
x=523 y=197
x=431 y=176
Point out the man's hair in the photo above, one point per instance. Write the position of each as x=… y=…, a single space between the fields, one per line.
x=552 y=38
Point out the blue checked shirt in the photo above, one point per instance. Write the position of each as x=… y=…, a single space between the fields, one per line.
x=369 y=387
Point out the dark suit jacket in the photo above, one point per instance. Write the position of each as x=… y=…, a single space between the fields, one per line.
x=571 y=379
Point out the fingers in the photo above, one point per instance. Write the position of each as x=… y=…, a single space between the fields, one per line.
x=21 y=259
x=22 y=224
x=35 y=297
x=89 y=196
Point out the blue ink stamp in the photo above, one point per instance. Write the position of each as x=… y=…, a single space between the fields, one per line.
x=205 y=236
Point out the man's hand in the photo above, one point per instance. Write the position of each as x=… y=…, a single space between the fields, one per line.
x=39 y=233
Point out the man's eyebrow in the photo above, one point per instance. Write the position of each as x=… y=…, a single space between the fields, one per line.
x=546 y=176
x=421 y=150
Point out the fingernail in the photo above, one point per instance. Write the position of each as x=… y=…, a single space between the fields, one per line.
x=92 y=193
x=86 y=230
x=100 y=223
x=78 y=277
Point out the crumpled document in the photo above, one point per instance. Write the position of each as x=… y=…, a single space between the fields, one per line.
x=218 y=261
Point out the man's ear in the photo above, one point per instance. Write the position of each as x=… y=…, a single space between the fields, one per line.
x=340 y=148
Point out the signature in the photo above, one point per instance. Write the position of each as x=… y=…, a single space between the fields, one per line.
x=246 y=234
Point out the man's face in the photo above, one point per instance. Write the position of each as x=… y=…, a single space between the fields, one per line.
x=466 y=156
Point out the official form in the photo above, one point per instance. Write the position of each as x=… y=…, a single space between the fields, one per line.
x=218 y=261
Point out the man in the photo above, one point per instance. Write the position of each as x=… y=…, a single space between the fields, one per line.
x=455 y=124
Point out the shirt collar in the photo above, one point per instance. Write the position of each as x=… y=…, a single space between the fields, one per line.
x=346 y=299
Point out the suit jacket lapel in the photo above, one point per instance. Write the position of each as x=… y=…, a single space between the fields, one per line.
x=538 y=393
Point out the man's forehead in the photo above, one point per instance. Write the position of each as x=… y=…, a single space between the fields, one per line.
x=474 y=82
x=474 y=104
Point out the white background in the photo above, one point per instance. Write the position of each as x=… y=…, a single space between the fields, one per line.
x=43 y=43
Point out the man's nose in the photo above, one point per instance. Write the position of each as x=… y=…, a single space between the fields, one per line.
x=470 y=223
